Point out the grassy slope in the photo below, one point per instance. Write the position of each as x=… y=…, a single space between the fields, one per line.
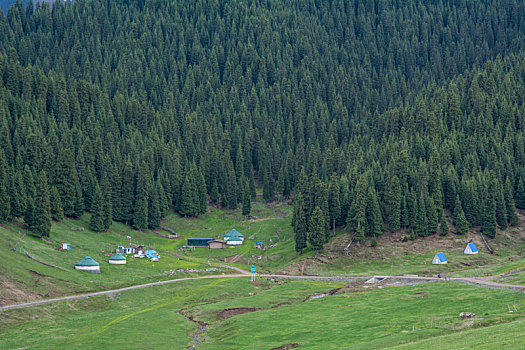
x=359 y=318
x=24 y=279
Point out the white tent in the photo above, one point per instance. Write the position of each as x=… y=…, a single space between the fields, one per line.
x=439 y=259
x=471 y=249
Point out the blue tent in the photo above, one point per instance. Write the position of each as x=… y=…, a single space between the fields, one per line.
x=471 y=249
x=439 y=259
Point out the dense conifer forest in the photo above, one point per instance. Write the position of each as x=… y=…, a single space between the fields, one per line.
x=374 y=115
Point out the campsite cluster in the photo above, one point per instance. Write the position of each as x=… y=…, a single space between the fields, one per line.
x=119 y=258
x=440 y=257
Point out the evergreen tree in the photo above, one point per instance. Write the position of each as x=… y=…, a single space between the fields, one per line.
x=5 y=205
x=458 y=219
x=443 y=227
x=359 y=206
x=509 y=202
x=246 y=199
x=488 y=226
x=106 y=189
x=79 y=201
x=501 y=209
x=300 y=225
x=96 y=223
x=154 y=209
x=128 y=189
x=374 y=221
x=57 y=212
x=65 y=179
x=187 y=202
x=519 y=198
x=140 y=210
x=317 y=229
x=393 y=203
x=334 y=202
x=421 y=222
x=432 y=215
x=41 y=220
x=201 y=193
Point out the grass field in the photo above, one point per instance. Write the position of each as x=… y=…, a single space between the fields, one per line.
x=23 y=279
x=419 y=316
x=359 y=317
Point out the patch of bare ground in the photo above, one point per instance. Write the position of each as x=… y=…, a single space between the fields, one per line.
x=286 y=346
x=233 y=259
x=227 y=313
x=12 y=292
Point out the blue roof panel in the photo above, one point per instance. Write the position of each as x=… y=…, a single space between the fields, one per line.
x=441 y=257
x=473 y=247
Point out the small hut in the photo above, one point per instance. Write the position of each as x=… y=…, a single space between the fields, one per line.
x=65 y=246
x=217 y=244
x=117 y=259
x=471 y=249
x=439 y=259
x=88 y=264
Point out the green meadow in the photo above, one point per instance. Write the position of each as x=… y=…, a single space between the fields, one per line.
x=357 y=317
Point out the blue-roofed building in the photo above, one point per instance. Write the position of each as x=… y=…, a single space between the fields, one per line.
x=152 y=255
x=439 y=259
x=471 y=249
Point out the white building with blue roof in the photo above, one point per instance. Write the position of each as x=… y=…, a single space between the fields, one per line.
x=439 y=259
x=471 y=249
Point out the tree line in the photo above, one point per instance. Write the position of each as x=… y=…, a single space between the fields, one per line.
x=130 y=108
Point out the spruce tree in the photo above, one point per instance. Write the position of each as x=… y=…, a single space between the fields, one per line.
x=65 y=179
x=128 y=189
x=96 y=223
x=459 y=219
x=509 y=202
x=359 y=206
x=488 y=216
x=432 y=215
x=443 y=227
x=140 y=210
x=201 y=192
x=421 y=221
x=154 y=208
x=300 y=225
x=317 y=229
x=41 y=220
x=107 y=194
x=501 y=209
x=57 y=213
x=246 y=199
x=187 y=202
x=374 y=221
x=78 y=210
x=334 y=202
x=519 y=198
x=5 y=205
x=393 y=203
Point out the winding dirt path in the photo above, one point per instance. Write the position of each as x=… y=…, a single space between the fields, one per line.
x=469 y=280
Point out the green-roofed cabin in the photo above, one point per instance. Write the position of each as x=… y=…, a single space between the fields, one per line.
x=88 y=264
x=117 y=259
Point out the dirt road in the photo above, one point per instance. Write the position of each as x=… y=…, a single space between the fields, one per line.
x=469 y=280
